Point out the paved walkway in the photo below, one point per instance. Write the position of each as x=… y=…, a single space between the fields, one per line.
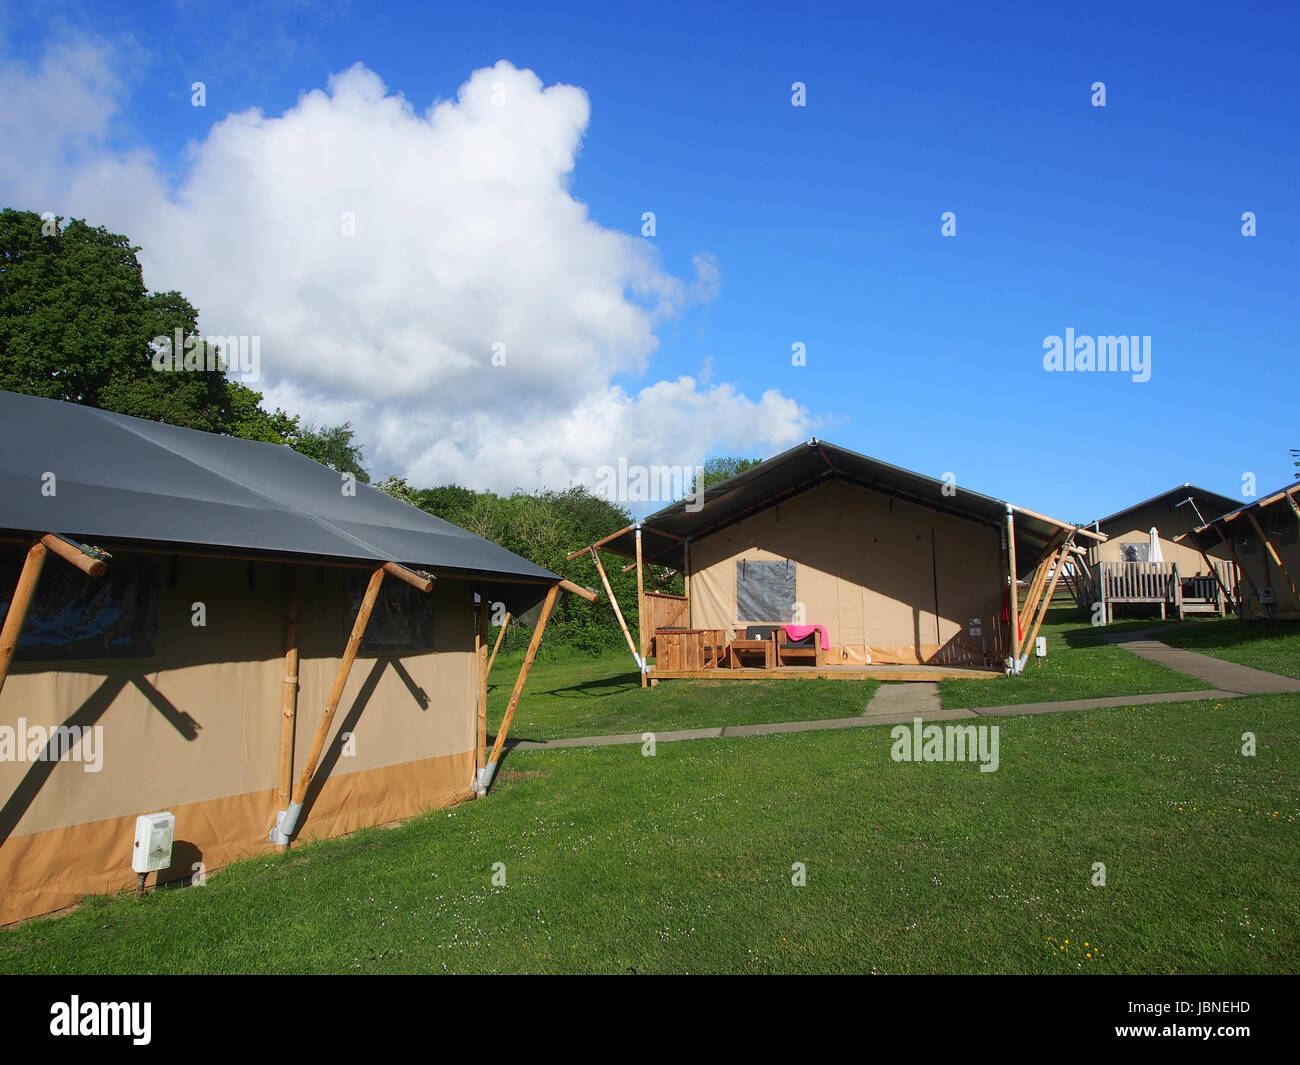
x=916 y=698
x=1244 y=680
x=900 y=703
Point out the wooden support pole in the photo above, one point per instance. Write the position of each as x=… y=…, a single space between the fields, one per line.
x=599 y=543
x=1241 y=570
x=1013 y=639
x=686 y=578
x=522 y=679
x=1035 y=598
x=18 y=606
x=420 y=581
x=640 y=603
x=501 y=635
x=1047 y=599
x=90 y=565
x=1058 y=564
x=1277 y=559
x=580 y=592
x=1072 y=530
x=1036 y=585
x=340 y=682
x=622 y=624
x=288 y=705
x=481 y=666
x=1291 y=502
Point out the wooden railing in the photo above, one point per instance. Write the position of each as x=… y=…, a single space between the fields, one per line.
x=663 y=611
x=1138 y=582
x=1160 y=582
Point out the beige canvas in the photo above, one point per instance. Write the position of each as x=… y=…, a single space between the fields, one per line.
x=199 y=724
x=1283 y=529
x=1168 y=523
x=892 y=581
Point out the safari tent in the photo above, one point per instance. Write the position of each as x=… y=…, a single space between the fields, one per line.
x=228 y=631
x=889 y=568
x=1262 y=539
x=1169 y=572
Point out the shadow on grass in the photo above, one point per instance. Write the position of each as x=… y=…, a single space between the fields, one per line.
x=596 y=688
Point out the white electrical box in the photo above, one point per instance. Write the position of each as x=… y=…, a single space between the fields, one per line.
x=1040 y=647
x=153 y=842
x=1266 y=596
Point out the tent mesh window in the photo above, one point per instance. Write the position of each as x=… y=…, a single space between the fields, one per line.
x=74 y=617
x=765 y=591
x=1135 y=552
x=402 y=619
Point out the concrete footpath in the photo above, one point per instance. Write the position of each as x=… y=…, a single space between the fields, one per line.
x=1229 y=676
x=895 y=704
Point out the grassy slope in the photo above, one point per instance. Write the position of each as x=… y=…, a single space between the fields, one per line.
x=682 y=862
x=1274 y=647
x=584 y=696
x=1079 y=665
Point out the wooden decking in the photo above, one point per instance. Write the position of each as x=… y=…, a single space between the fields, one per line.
x=871 y=672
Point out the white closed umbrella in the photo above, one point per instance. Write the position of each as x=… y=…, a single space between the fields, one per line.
x=1155 y=554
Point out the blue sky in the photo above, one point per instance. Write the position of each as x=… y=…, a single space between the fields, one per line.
x=824 y=220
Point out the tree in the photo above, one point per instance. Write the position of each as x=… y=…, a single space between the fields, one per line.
x=448 y=502
x=77 y=324
x=718 y=469
x=332 y=447
x=397 y=488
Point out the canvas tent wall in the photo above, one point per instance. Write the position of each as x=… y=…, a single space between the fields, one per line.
x=190 y=715
x=1263 y=539
x=1128 y=530
x=899 y=567
x=892 y=581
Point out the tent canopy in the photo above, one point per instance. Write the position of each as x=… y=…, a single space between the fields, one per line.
x=1206 y=536
x=1210 y=504
x=102 y=477
x=811 y=463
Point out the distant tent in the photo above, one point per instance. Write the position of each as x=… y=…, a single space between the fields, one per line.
x=894 y=567
x=1263 y=539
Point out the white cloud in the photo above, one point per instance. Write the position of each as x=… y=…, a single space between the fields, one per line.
x=467 y=239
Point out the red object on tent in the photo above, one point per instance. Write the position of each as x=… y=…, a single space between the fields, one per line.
x=1006 y=615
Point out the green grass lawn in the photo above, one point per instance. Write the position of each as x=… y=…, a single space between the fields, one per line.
x=682 y=862
x=1274 y=646
x=577 y=695
x=1079 y=665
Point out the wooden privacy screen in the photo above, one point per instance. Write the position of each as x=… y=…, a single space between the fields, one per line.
x=663 y=612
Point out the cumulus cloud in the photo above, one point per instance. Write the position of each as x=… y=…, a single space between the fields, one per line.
x=427 y=276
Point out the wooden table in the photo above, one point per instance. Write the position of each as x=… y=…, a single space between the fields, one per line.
x=741 y=646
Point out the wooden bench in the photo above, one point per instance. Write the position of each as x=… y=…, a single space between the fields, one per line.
x=799 y=652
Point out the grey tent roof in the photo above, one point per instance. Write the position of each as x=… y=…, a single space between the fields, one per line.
x=127 y=479
x=808 y=464
x=1208 y=502
x=1202 y=535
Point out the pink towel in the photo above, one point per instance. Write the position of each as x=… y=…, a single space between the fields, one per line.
x=798 y=632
